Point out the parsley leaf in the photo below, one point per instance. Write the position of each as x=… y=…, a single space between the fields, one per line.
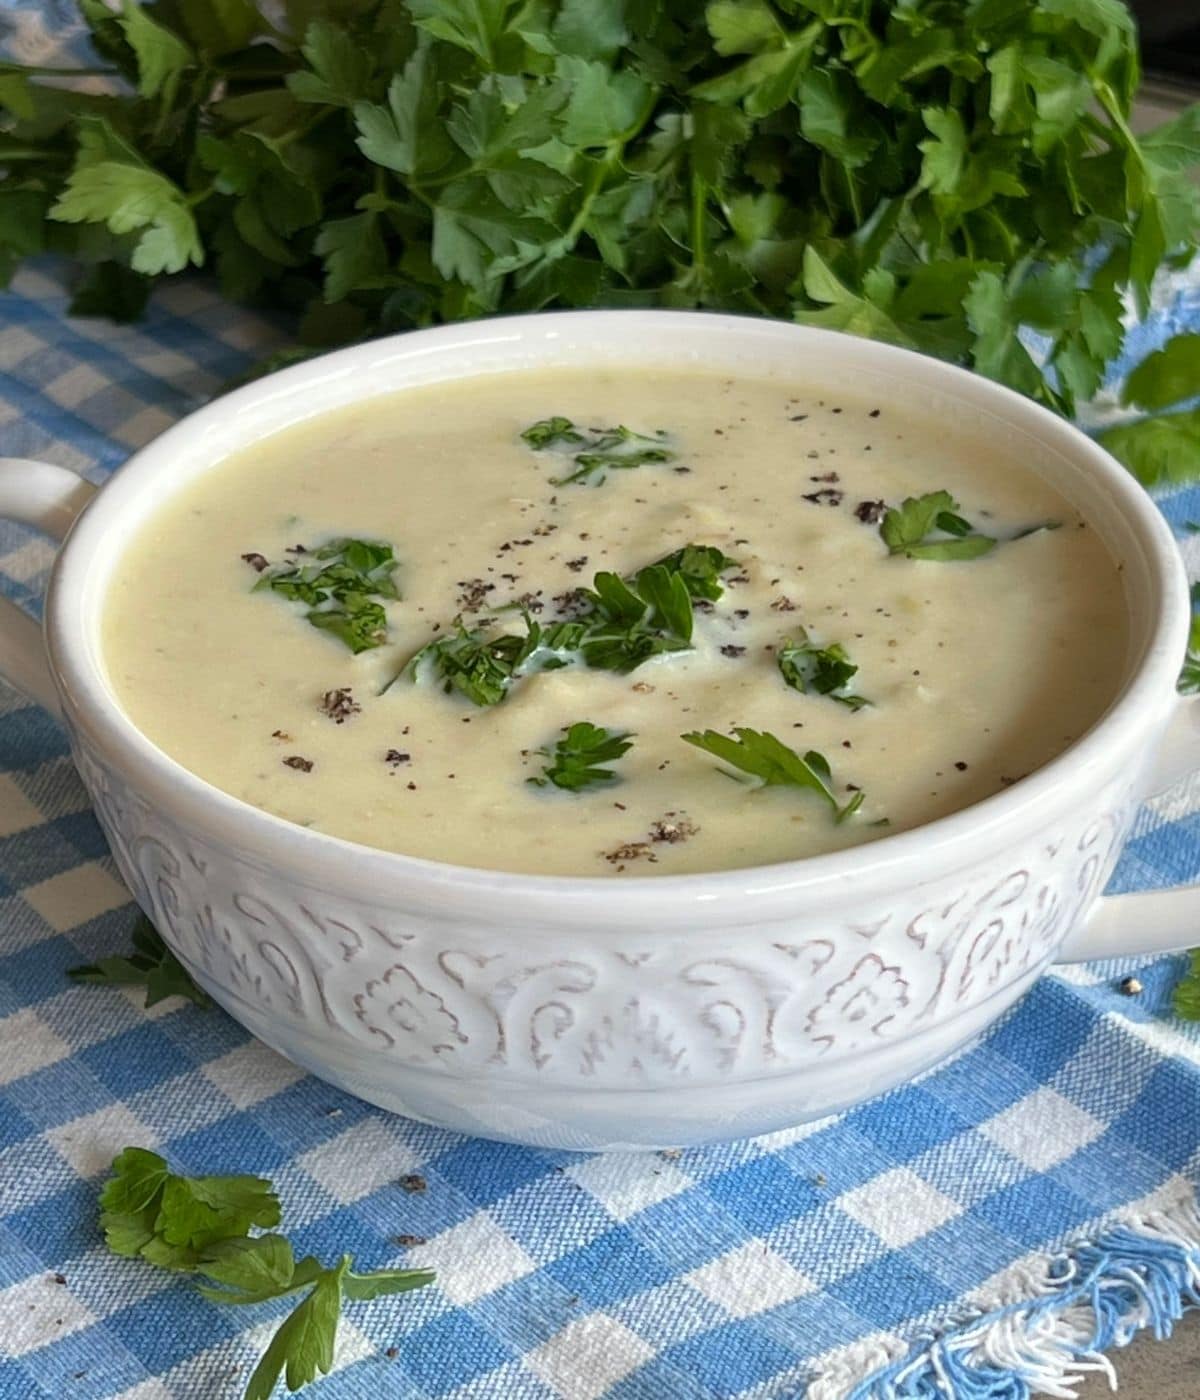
x=1159 y=451
x=1185 y=998
x=597 y=451
x=249 y=1269
x=145 y=1209
x=630 y=622
x=151 y=965
x=906 y=530
x=700 y=566
x=303 y=1345
x=549 y=431
x=823 y=670
x=1167 y=377
x=576 y=758
x=162 y=56
x=125 y=198
x=764 y=757
x=480 y=667
x=340 y=587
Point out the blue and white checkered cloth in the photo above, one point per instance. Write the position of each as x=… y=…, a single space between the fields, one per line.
x=792 y=1265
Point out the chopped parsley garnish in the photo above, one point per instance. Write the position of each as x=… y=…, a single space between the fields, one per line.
x=632 y=621
x=822 y=670
x=480 y=666
x=340 y=583
x=151 y=965
x=550 y=431
x=576 y=758
x=929 y=527
x=597 y=451
x=700 y=566
x=625 y=622
x=763 y=757
x=201 y=1225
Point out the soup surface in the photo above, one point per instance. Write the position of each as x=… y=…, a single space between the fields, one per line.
x=231 y=648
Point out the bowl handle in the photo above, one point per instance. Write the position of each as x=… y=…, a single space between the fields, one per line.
x=49 y=498
x=1150 y=921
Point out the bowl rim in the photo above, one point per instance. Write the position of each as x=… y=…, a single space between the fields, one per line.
x=322 y=861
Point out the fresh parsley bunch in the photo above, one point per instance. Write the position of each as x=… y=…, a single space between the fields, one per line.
x=939 y=174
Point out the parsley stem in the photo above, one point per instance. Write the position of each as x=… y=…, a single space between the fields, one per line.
x=591 y=190
x=47 y=72
x=699 y=208
x=11 y=153
x=603 y=168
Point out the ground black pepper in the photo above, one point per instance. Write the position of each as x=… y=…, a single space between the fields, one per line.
x=301 y=765
x=339 y=704
x=474 y=593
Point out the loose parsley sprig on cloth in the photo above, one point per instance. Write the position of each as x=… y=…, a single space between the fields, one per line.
x=576 y=758
x=772 y=763
x=1185 y=998
x=151 y=965
x=936 y=174
x=929 y=527
x=823 y=670
x=341 y=583
x=201 y=1225
x=596 y=452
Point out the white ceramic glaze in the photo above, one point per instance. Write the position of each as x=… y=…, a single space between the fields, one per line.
x=595 y=1013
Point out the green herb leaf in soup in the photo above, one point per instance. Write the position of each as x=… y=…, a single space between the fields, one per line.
x=822 y=670
x=631 y=622
x=341 y=583
x=700 y=566
x=929 y=527
x=478 y=666
x=597 y=451
x=763 y=757
x=576 y=758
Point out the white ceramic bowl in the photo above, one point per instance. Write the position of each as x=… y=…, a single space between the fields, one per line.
x=593 y=1013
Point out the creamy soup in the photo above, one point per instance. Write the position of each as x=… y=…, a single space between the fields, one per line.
x=877 y=664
